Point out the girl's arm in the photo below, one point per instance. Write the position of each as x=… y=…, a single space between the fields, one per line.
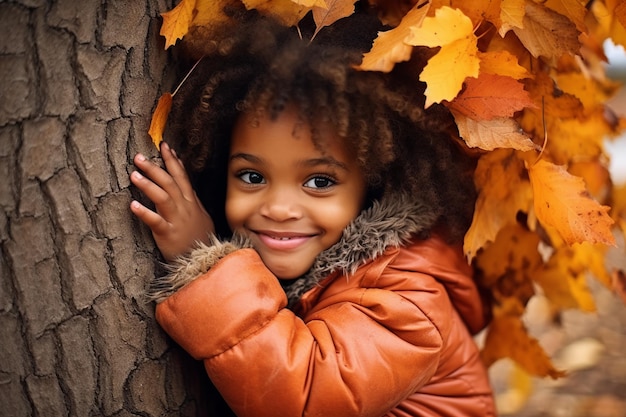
x=180 y=219
x=358 y=356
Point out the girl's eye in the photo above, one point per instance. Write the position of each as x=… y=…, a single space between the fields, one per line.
x=251 y=177
x=319 y=182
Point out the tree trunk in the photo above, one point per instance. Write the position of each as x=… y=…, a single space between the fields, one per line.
x=78 y=83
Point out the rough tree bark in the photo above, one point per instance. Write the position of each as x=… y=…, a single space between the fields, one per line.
x=78 y=82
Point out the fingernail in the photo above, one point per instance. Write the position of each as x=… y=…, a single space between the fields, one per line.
x=140 y=157
x=164 y=145
x=137 y=175
x=174 y=153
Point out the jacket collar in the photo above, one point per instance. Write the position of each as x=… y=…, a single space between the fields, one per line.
x=391 y=221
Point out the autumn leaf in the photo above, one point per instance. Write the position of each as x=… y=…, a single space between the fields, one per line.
x=508 y=264
x=159 y=119
x=176 y=22
x=389 y=47
x=287 y=12
x=507 y=337
x=502 y=63
x=573 y=139
x=333 y=11
x=561 y=201
x=477 y=10
x=491 y=96
x=502 y=193
x=491 y=134
x=590 y=93
x=457 y=59
x=512 y=14
x=564 y=277
x=210 y=12
x=547 y=33
x=574 y=10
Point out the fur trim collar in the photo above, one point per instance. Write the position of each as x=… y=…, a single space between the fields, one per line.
x=393 y=221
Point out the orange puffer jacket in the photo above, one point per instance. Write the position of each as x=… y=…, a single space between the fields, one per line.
x=383 y=328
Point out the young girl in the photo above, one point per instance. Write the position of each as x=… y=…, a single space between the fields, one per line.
x=325 y=277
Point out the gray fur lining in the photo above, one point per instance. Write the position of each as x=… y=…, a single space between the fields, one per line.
x=185 y=269
x=392 y=221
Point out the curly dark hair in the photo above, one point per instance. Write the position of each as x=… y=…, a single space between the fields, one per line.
x=261 y=67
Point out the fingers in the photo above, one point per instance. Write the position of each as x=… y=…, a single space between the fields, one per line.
x=159 y=196
x=177 y=170
x=155 y=222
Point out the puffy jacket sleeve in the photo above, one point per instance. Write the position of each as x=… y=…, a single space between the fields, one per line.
x=359 y=355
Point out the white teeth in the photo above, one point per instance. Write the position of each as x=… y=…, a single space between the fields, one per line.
x=282 y=238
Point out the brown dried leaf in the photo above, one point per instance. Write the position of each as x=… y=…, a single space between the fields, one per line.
x=547 y=33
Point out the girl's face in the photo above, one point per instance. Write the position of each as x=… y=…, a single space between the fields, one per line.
x=292 y=200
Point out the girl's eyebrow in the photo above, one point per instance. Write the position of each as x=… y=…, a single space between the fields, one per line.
x=245 y=156
x=326 y=160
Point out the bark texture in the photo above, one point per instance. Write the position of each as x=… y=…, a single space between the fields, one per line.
x=78 y=83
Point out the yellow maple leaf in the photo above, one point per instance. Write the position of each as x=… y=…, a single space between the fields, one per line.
x=177 y=21
x=209 y=12
x=561 y=201
x=477 y=10
x=512 y=14
x=457 y=59
x=502 y=63
x=159 y=119
x=503 y=191
x=583 y=87
x=575 y=139
x=389 y=47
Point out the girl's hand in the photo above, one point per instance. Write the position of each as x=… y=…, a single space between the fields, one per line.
x=180 y=219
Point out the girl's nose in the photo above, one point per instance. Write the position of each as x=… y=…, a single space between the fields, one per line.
x=281 y=205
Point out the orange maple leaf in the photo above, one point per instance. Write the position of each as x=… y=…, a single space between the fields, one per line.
x=457 y=59
x=159 y=119
x=507 y=337
x=561 y=201
x=490 y=96
x=389 y=47
x=502 y=193
x=176 y=22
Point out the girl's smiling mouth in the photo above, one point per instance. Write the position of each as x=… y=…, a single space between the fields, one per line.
x=282 y=240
